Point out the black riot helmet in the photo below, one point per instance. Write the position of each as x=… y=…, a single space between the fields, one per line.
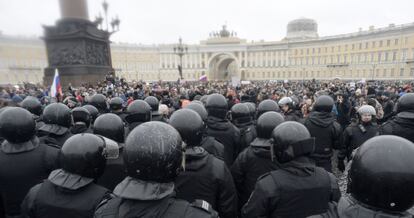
x=199 y=108
x=382 y=173
x=405 y=106
x=153 y=102
x=110 y=126
x=138 y=111
x=17 y=125
x=33 y=105
x=153 y=152
x=58 y=114
x=203 y=99
x=190 y=126
x=92 y=111
x=240 y=114
x=291 y=140
x=324 y=103
x=267 y=122
x=116 y=103
x=99 y=101
x=80 y=114
x=216 y=106
x=267 y=105
x=85 y=154
x=252 y=109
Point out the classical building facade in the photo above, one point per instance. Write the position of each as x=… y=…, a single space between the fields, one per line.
x=376 y=53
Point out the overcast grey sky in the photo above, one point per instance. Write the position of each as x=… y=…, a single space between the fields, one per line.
x=163 y=21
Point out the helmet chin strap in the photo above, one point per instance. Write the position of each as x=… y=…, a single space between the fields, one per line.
x=183 y=159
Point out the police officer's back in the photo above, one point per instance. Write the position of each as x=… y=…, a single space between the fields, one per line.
x=204 y=177
x=327 y=132
x=222 y=129
x=81 y=121
x=71 y=191
x=209 y=143
x=403 y=123
x=139 y=112
x=381 y=180
x=299 y=188
x=153 y=155
x=24 y=161
x=240 y=117
x=33 y=105
x=155 y=104
x=116 y=107
x=58 y=121
x=111 y=126
x=257 y=159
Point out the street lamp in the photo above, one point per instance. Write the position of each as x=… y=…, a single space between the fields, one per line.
x=180 y=49
x=114 y=21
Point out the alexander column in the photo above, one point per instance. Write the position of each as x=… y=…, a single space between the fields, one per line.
x=77 y=47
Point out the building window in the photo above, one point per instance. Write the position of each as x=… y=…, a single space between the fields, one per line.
x=332 y=49
x=307 y=51
x=380 y=43
x=384 y=73
x=379 y=56
x=392 y=72
x=319 y=50
x=394 y=56
x=386 y=57
x=404 y=55
x=346 y=47
x=396 y=42
x=388 y=42
x=353 y=46
x=402 y=72
x=360 y=46
x=373 y=44
x=366 y=45
x=412 y=71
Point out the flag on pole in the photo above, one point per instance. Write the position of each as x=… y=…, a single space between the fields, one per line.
x=56 y=87
x=203 y=78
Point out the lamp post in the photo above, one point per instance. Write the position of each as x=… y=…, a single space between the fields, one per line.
x=180 y=49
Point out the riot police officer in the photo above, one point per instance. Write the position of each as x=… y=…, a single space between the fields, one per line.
x=153 y=156
x=111 y=126
x=267 y=105
x=222 y=129
x=155 y=114
x=299 y=188
x=81 y=120
x=116 y=107
x=357 y=133
x=327 y=132
x=71 y=191
x=403 y=123
x=33 y=105
x=139 y=112
x=289 y=109
x=240 y=117
x=94 y=113
x=209 y=143
x=24 y=161
x=380 y=180
x=256 y=159
x=99 y=101
x=205 y=177
x=58 y=120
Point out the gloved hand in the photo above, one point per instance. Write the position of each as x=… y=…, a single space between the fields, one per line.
x=341 y=165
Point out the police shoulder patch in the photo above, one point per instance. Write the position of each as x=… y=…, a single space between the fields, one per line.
x=204 y=205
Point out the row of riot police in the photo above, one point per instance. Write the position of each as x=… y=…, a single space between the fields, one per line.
x=256 y=165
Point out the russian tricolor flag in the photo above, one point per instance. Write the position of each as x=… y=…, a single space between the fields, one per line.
x=203 y=78
x=56 y=87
